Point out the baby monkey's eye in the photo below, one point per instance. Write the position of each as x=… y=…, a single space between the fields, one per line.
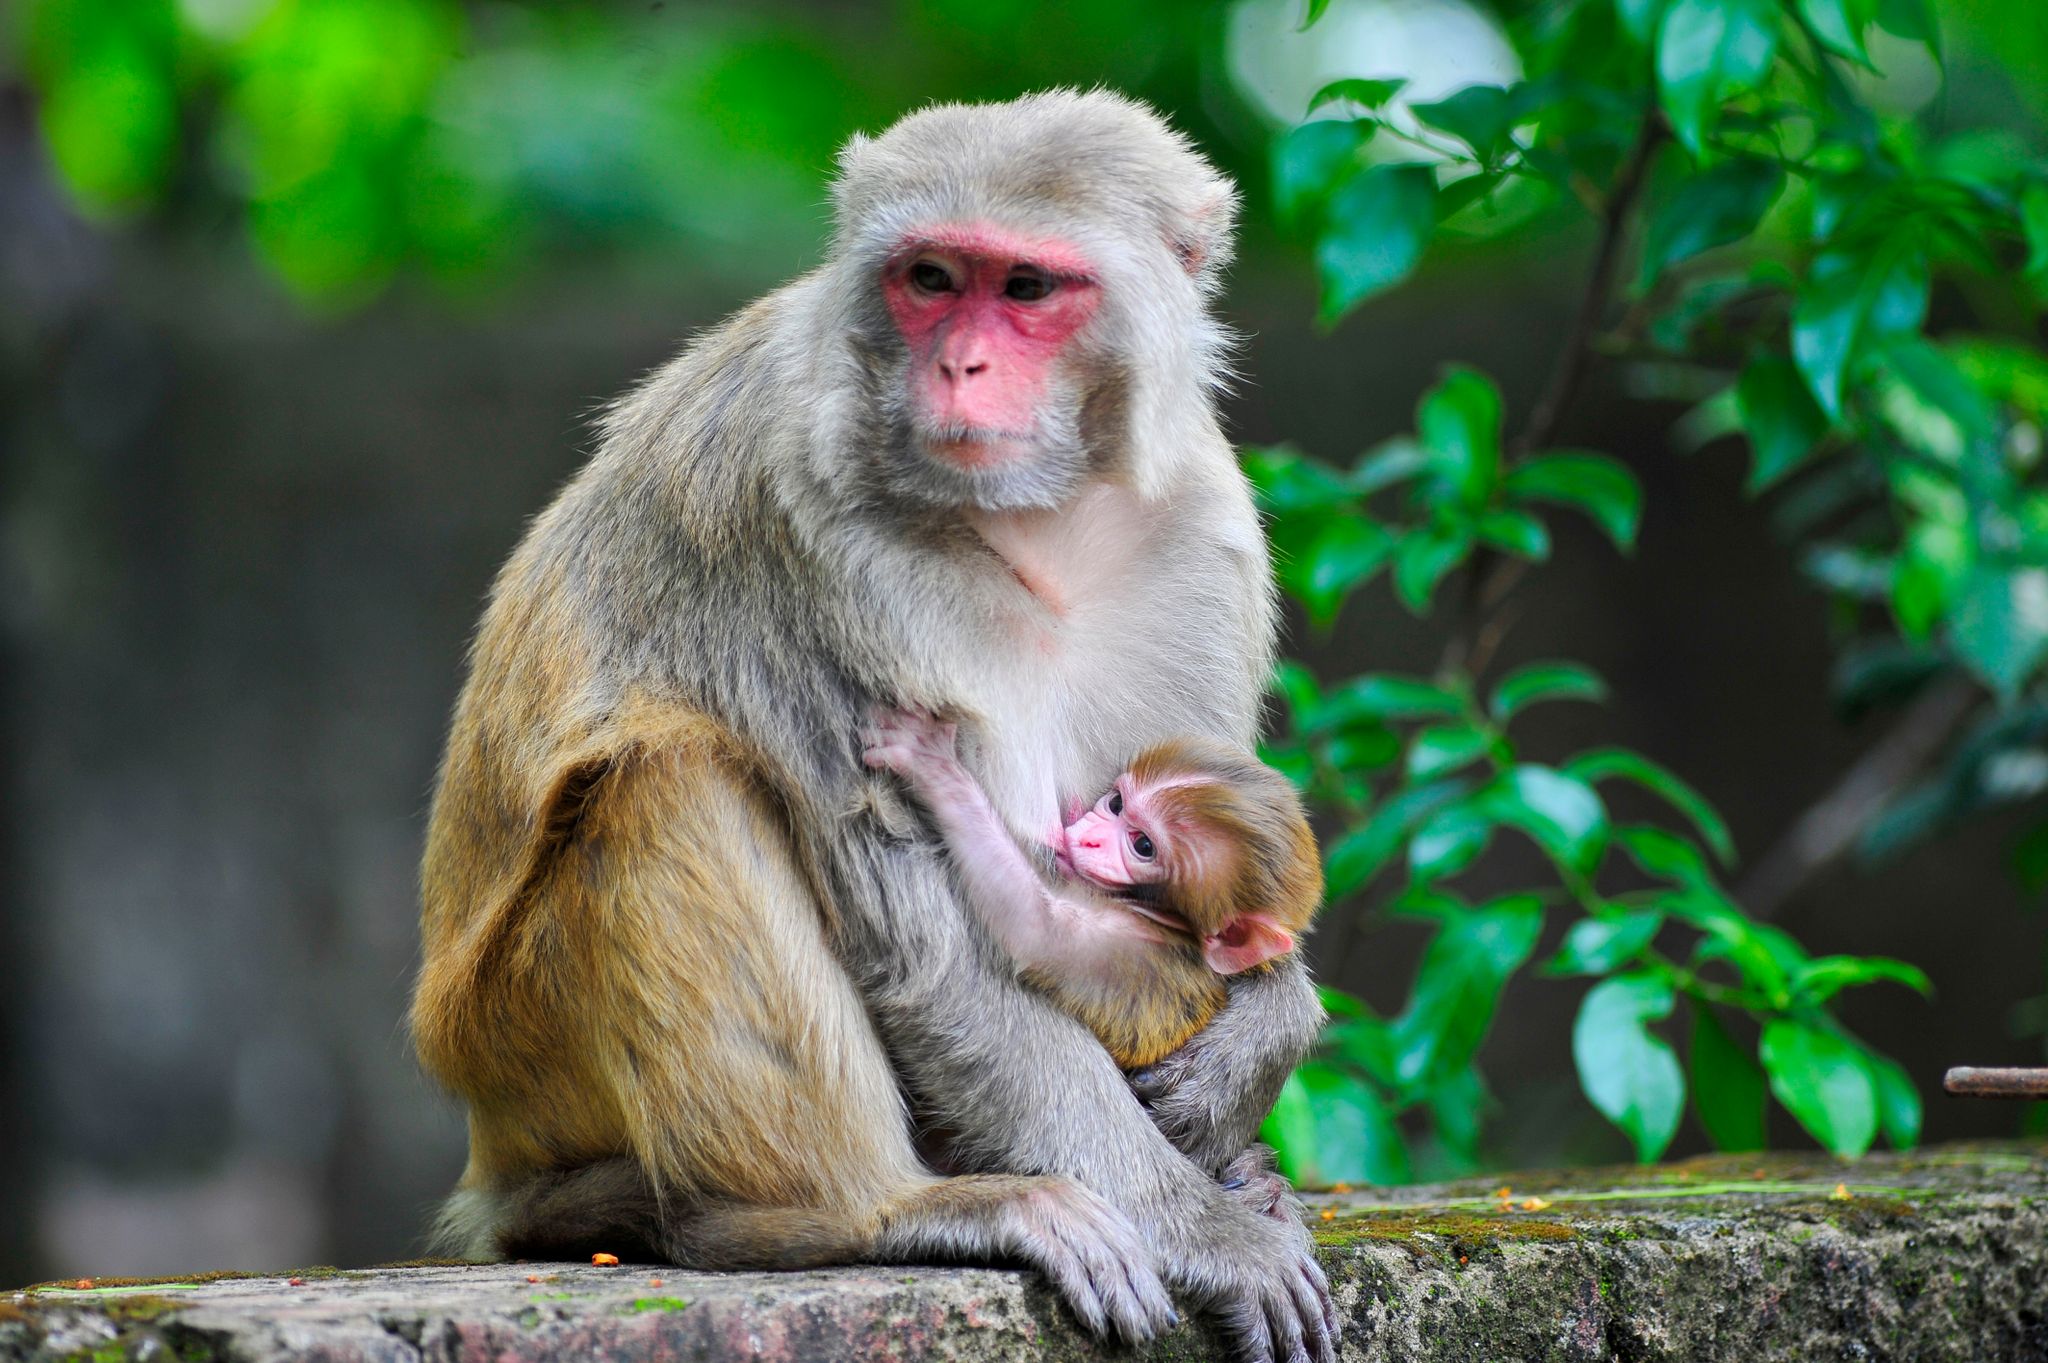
x=1116 y=802
x=1142 y=845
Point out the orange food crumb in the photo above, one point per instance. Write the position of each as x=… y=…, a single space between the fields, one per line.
x=83 y=1285
x=1329 y=1215
x=605 y=1260
x=1841 y=1192
x=1503 y=1192
x=1463 y=1260
x=654 y=1282
x=533 y=1277
x=1340 y=1187
x=296 y=1282
x=1533 y=1204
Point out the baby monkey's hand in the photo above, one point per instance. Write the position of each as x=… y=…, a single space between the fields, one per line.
x=915 y=744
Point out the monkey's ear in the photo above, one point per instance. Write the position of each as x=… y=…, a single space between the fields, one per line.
x=1245 y=941
x=1202 y=243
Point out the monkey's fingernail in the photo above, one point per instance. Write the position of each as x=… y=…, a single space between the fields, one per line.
x=1232 y=1184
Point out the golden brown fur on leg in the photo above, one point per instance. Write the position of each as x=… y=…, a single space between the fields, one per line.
x=761 y=1128
x=661 y=988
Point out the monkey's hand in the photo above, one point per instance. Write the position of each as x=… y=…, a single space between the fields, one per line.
x=1209 y=1096
x=915 y=744
x=1253 y=1180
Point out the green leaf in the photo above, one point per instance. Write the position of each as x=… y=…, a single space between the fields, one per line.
x=2030 y=858
x=2034 y=221
x=1458 y=985
x=1600 y=946
x=1821 y=979
x=1709 y=208
x=1459 y=422
x=1366 y=94
x=1559 y=812
x=1911 y=19
x=1639 y=17
x=1705 y=49
x=1898 y=1102
x=1601 y=487
x=1849 y=302
x=1784 y=423
x=1423 y=558
x=1630 y=1074
x=1664 y=854
x=1727 y=1085
x=1330 y=1126
x=1999 y=625
x=1839 y=24
x=1761 y=955
x=1297 y=685
x=1288 y=481
x=1390 y=462
x=1603 y=764
x=1480 y=116
x=1382 y=696
x=1443 y=748
x=1378 y=223
x=1348 y=552
x=1312 y=160
x=1514 y=532
x=1537 y=682
x=1821 y=1079
x=1447 y=844
x=1312 y=10
x=1354 y=859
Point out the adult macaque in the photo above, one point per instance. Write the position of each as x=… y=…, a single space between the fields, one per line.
x=687 y=960
x=1196 y=864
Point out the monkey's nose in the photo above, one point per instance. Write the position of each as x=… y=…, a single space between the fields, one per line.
x=956 y=370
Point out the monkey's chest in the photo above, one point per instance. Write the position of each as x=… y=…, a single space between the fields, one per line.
x=1114 y=630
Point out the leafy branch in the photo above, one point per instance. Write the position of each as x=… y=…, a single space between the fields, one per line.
x=1785 y=239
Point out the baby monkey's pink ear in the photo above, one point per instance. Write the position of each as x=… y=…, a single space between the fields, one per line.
x=1247 y=940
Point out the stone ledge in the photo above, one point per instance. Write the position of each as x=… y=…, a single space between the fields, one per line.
x=1942 y=1254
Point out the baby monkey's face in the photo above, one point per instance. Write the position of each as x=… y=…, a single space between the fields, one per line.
x=1116 y=842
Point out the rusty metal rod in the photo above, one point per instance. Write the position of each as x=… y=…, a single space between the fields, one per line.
x=1973 y=1082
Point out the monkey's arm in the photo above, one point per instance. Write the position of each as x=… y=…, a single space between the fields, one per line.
x=1061 y=934
x=1210 y=1096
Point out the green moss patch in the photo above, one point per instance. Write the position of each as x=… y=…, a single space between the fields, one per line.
x=1462 y=1233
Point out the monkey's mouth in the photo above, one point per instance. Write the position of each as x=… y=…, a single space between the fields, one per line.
x=977 y=449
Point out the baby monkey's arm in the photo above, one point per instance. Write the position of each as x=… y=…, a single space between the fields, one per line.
x=1040 y=927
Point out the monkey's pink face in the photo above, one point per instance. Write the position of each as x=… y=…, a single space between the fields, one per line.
x=987 y=316
x=1113 y=842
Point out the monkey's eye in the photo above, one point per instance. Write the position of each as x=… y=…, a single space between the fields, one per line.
x=1142 y=845
x=1027 y=286
x=930 y=277
x=1116 y=802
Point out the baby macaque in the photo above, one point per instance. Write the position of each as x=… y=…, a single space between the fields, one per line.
x=1196 y=864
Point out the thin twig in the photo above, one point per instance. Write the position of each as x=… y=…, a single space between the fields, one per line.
x=1829 y=827
x=1491 y=576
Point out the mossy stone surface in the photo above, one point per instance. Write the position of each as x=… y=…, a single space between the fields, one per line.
x=1939 y=1255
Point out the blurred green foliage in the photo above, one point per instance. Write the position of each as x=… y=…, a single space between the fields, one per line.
x=360 y=141
x=1787 y=236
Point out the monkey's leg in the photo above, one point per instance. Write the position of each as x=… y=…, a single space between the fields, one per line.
x=698 y=1080
x=1091 y=1253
